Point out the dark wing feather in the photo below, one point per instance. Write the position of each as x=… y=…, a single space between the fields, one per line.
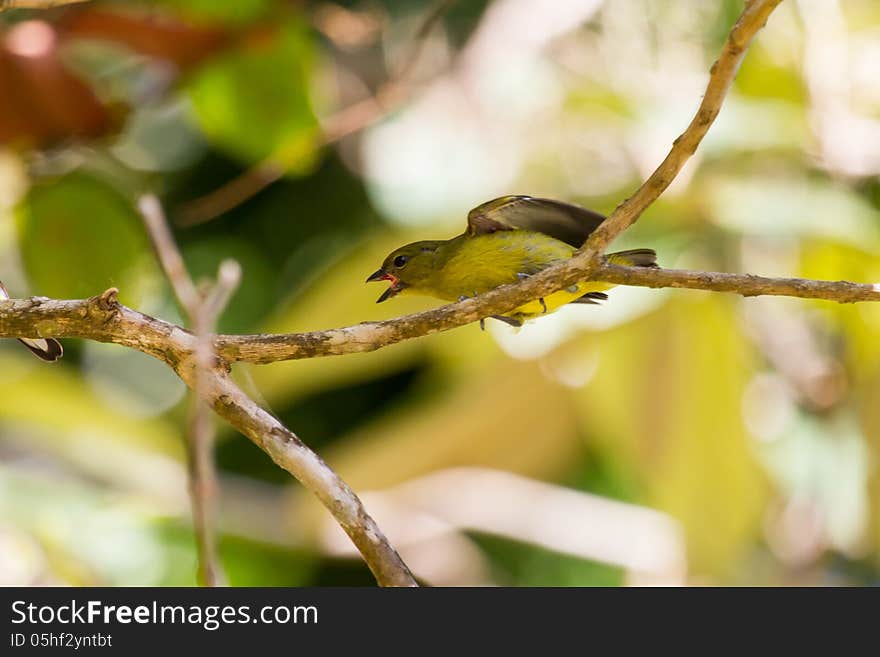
x=568 y=223
x=48 y=349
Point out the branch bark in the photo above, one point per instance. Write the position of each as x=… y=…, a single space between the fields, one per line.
x=36 y=4
x=290 y=453
x=747 y=285
x=90 y=320
x=370 y=336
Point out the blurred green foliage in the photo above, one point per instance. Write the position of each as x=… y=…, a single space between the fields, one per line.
x=752 y=426
x=80 y=209
x=265 y=84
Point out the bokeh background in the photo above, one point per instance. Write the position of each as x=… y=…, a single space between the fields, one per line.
x=667 y=437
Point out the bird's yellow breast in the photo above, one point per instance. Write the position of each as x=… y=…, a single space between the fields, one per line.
x=470 y=265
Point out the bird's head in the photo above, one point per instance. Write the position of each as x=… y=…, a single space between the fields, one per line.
x=409 y=267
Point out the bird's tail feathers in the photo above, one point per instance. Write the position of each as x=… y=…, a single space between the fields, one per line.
x=634 y=258
x=592 y=298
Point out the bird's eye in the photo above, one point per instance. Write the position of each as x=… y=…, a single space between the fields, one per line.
x=400 y=261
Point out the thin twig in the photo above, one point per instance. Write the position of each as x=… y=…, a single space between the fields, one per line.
x=420 y=40
x=335 y=127
x=203 y=489
x=746 y=285
x=182 y=285
x=202 y=313
x=210 y=383
x=721 y=76
x=393 y=91
x=202 y=436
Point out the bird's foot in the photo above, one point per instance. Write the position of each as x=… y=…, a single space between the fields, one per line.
x=482 y=320
x=543 y=305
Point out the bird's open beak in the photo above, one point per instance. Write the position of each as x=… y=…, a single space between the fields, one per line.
x=382 y=275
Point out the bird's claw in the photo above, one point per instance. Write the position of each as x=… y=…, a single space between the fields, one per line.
x=482 y=321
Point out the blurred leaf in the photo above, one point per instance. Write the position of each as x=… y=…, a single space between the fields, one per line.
x=78 y=236
x=857 y=324
x=44 y=102
x=320 y=419
x=509 y=417
x=249 y=563
x=254 y=102
x=762 y=76
x=757 y=125
x=180 y=42
x=462 y=18
x=159 y=137
x=254 y=297
x=785 y=207
x=519 y=564
x=667 y=398
x=87 y=536
x=245 y=562
x=130 y=381
x=233 y=13
x=77 y=426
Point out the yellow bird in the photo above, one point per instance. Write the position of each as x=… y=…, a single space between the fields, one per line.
x=507 y=239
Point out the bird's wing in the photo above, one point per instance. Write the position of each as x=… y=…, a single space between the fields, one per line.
x=49 y=349
x=568 y=223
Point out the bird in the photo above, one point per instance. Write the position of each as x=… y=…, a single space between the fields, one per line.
x=47 y=349
x=507 y=239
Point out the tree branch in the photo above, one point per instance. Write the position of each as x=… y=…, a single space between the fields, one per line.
x=35 y=4
x=88 y=319
x=370 y=336
x=747 y=285
x=290 y=453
